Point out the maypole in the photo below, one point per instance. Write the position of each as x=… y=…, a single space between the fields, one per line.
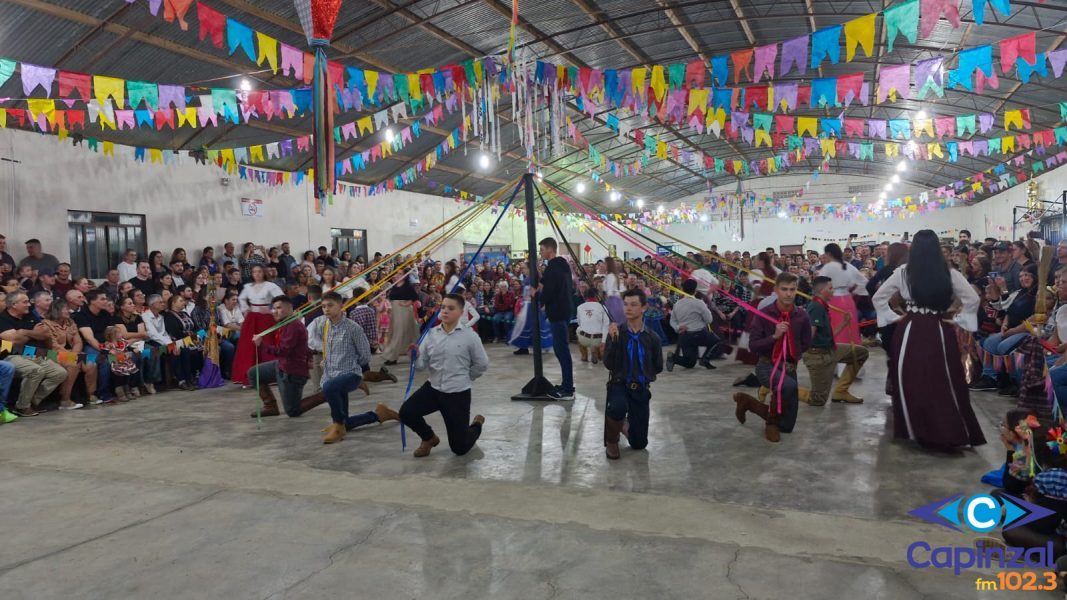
x=318 y=18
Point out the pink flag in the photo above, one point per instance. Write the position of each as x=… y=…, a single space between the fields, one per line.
x=765 y=56
x=897 y=77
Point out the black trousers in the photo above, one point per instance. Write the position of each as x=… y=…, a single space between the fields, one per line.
x=689 y=345
x=455 y=409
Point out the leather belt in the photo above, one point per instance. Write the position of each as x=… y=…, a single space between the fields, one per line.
x=590 y=335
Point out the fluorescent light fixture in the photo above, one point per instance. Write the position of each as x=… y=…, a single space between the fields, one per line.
x=580 y=188
x=483 y=161
x=902 y=166
x=895 y=178
x=246 y=85
x=640 y=203
x=389 y=135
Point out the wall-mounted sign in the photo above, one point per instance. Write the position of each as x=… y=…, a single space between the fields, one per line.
x=251 y=207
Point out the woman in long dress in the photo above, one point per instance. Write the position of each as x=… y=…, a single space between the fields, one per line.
x=255 y=300
x=612 y=291
x=403 y=329
x=931 y=402
x=846 y=280
x=522 y=332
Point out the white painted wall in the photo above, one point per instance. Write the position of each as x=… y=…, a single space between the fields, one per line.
x=186 y=205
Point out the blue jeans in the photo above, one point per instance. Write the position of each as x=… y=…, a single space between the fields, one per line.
x=336 y=390
x=624 y=403
x=1058 y=375
x=103 y=373
x=502 y=322
x=563 y=353
x=226 y=354
x=998 y=345
x=7 y=375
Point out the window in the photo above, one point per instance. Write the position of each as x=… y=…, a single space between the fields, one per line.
x=98 y=241
x=352 y=240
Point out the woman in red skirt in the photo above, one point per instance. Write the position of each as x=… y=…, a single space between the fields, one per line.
x=255 y=301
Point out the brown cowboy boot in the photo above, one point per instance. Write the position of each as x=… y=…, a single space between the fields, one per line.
x=270 y=404
x=746 y=403
x=363 y=386
x=335 y=432
x=771 y=431
x=311 y=402
x=424 y=448
x=375 y=376
x=612 y=429
x=384 y=413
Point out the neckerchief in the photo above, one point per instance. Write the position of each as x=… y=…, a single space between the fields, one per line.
x=826 y=307
x=777 y=353
x=635 y=352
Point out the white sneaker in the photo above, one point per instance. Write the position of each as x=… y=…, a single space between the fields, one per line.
x=71 y=407
x=95 y=400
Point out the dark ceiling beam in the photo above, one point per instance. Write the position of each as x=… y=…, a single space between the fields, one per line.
x=681 y=24
x=432 y=29
x=742 y=22
x=83 y=40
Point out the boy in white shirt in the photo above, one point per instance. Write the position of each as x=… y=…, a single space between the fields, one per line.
x=593 y=321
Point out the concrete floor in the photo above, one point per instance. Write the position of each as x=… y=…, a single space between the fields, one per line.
x=182 y=496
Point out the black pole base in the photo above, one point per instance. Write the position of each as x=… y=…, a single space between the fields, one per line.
x=535 y=391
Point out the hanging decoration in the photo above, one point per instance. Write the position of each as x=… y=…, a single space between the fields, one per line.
x=317 y=18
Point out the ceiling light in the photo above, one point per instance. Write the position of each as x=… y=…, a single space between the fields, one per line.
x=902 y=166
x=389 y=135
x=882 y=196
x=640 y=203
x=888 y=187
x=659 y=208
x=782 y=214
x=895 y=178
x=483 y=161
x=921 y=115
x=704 y=218
x=246 y=85
x=540 y=176
x=614 y=196
x=580 y=188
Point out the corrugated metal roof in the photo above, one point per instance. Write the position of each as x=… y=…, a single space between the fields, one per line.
x=408 y=36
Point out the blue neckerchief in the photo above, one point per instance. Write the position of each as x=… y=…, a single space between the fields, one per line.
x=636 y=352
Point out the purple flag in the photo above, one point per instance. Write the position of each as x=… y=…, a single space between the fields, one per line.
x=985 y=122
x=33 y=76
x=794 y=53
x=876 y=128
x=1057 y=58
x=928 y=75
x=786 y=92
x=765 y=56
x=172 y=94
x=896 y=77
x=738 y=119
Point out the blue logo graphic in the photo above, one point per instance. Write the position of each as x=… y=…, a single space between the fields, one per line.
x=981 y=513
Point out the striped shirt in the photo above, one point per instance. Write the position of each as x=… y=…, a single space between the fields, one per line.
x=346 y=346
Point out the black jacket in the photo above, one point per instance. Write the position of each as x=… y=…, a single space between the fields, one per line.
x=557 y=289
x=617 y=362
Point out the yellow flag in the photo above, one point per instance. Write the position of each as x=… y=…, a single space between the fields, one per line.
x=43 y=106
x=227 y=156
x=387 y=149
x=808 y=124
x=155 y=155
x=187 y=116
x=661 y=149
x=414 y=86
x=5 y=346
x=3 y=118
x=372 y=81
x=892 y=149
x=762 y=138
x=268 y=51
x=859 y=31
x=255 y=153
x=829 y=147
x=924 y=126
x=110 y=86
x=658 y=83
x=1007 y=144
x=638 y=80
x=934 y=150
x=108 y=148
x=364 y=125
x=698 y=100
x=1013 y=116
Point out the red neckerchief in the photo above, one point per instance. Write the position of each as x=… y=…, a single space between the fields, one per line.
x=823 y=303
x=786 y=317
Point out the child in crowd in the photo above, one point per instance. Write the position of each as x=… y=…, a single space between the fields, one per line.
x=116 y=345
x=1048 y=490
x=592 y=330
x=1015 y=434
